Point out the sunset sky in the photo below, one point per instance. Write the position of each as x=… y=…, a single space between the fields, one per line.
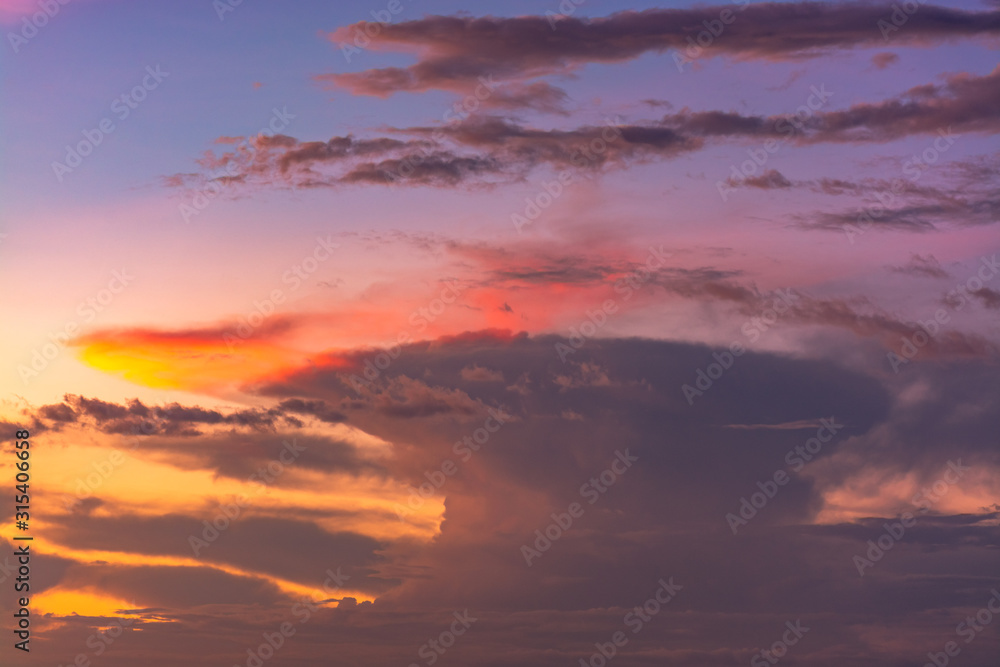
x=416 y=332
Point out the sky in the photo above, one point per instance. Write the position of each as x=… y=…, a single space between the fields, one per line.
x=527 y=333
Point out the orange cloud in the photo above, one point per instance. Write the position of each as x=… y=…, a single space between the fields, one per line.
x=162 y=360
x=526 y=288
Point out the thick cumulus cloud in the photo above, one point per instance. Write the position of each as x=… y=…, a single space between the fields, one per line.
x=539 y=435
x=665 y=516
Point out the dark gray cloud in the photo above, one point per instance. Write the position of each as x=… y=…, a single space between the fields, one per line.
x=884 y=60
x=664 y=517
x=990 y=298
x=923 y=198
x=772 y=179
x=925 y=266
x=489 y=150
x=481 y=150
x=258 y=544
x=134 y=418
x=455 y=52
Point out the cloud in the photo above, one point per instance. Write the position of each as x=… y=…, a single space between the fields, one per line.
x=963 y=103
x=174 y=587
x=59 y=412
x=539 y=96
x=478 y=151
x=525 y=472
x=239 y=456
x=491 y=150
x=253 y=544
x=884 y=59
x=990 y=298
x=317 y=409
x=455 y=53
x=479 y=374
x=860 y=317
x=921 y=265
x=804 y=424
x=665 y=516
x=770 y=180
x=912 y=218
x=136 y=418
x=962 y=193
x=531 y=286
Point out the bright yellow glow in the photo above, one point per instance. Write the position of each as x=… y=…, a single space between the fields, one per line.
x=81 y=463
x=63 y=602
x=59 y=602
x=194 y=365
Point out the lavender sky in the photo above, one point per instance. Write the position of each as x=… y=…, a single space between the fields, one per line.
x=516 y=333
